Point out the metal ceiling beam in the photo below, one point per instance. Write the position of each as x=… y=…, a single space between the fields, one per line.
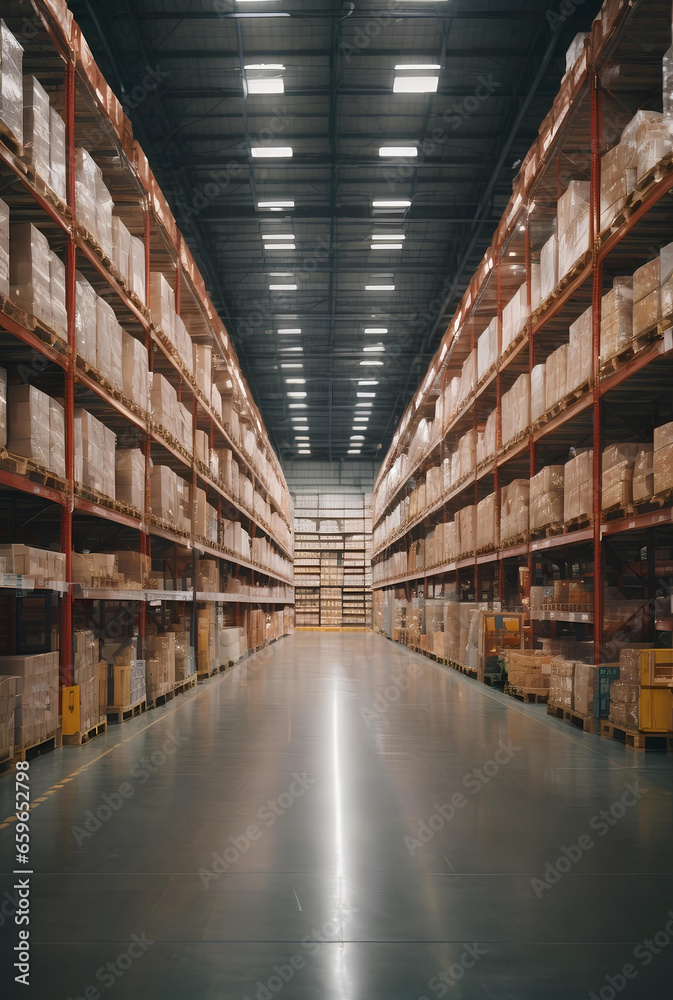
x=180 y=55
x=231 y=93
x=317 y=161
x=494 y=14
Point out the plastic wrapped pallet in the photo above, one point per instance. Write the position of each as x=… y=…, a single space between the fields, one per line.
x=4 y=249
x=11 y=82
x=579 y=360
x=184 y=505
x=556 y=368
x=617 y=318
x=549 y=277
x=516 y=410
x=624 y=704
x=137 y=268
x=467 y=530
x=203 y=368
x=56 y=438
x=654 y=140
x=535 y=286
x=85 y=189
x=514 y=507
x=646 y=297
x=104 y=208
x=530 y=669
x=538 y=404
x=487 y=349
x=617 y=477
x=160 y=655
x=662 y=462
x=546 y=497
x=3 y=407
x=578 y=486
x=7 y=715
x=613 y=184
x=514 y=316
x=57 y=158
x=94 y=454
x=575 y=50
x=36 y=708
x=45 y=565
x=164 y=404
x=486 y=441
x=487 y=528
x=573 y=225
x=135 y=374
x=86 y=319
x=183 y=343
x=29 y=270
x=130 y=477
x=121 y=248
x=28 y=433
x=59 y=316
x=162 y=298
x=164 y=493
x=643 y=474
x=216 y=401
x=666 y=281
x=36 y=128
x=561 y=682
x=184 y=427
x=466 y=461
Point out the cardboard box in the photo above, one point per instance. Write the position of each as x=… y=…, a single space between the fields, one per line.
x=11 y=82
x=130 y=477
x=29 y=424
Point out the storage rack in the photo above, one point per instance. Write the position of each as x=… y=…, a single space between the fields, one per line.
x=332 y=560
x=46 y=511
x=628 y=549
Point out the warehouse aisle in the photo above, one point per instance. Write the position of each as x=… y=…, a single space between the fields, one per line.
x=338 y=818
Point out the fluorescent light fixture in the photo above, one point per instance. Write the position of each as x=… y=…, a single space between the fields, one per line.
x=363 y=405
x=401 y=67
x=366 y=395
x=354 y=451
x=379 y=288
x=376 y=329
x=391 y=203
x=296 y=419
x=297 y=406
x=263 y=66
x=415 y=84
x=269 y=86
x=304 y=451
x=297 y=365
x=371 y=364
x=297 y=395
x=270 y=152
x=291 y=350
x=357 y=437
x=278 y=236
x=288 y=330
x=368 y=381
x=279 y=246
x=384 y=246
x=301 y=437
x=282 y=288
x=391 y=236
x=295 y=381
x=275 y=205
x=374 y=349
x=512 y=253
x=398 y=151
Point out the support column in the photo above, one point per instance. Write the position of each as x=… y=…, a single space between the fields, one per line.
x=596 y=116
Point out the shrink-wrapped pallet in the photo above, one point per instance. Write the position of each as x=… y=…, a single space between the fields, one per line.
x=486 y=440
x=184 y=505
x=579 y=360
x=29 y=424
x=57 y=157
x=555 y=376
x=121 y=248
x=135 y=374
x=104 y=208
x=94 y=454
x=666 y=281
x=646 y=297
x=3 y=407
x=36 y=706
x=164 y=404
x=85 y=319
x=643 y=474
x=36 y=128
x=561 y=682
x=59 y=316
x=617 y=318
x=514 y=506
x=56 y=438
x=203 y=368
x=662 y=463
x=468 y=377
x=467 y=530
x=466 y=460
x=546 y=497
x=137 y=268
x=578 y=486
x=183 y=343
x=202 y=447
x=4 y=249
x=573 y=225
x=162 y=299
x=538 y=381
x=617 y=475
x=11 y=83
x=530 y=669
x=451 y=541
x=514 y=316
x=184 y=427
x=487 y=349
x=549 y=267
x=625 y=704
x=487 y=527
x=160 y=656
x=29 y=271
x=164 y=494
x=535 y=285
x=216 y=401
x=86 y=172
x=613 y=184
x=516 y=410
x=654 y=140
x=130 y=477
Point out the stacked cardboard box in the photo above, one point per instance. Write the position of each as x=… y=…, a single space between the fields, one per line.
x=591 y=688
x=93 y=200
x=29 y=431
x=209 y=576
x=549 y=276
x=160 y=660
x=7 y=716
x=624 y=703
x=577 y=487
x=538 y=398
x=514 y=510
x=643 y=474
x=646 y=297
x=572 y=225
x=4 y=249
x=94 y=454
x=130 y=477
x=666 y=281
x=528 y=670
x=36 y=716
x=206 y=641
x=203 y=356
x=128 y=255
x=11 y=83
x=516 y=410
x=164 y=493
x=617 y=480
x=487 y=528
x=184 y=656
x=486 y=439
x=44 y=565
x=487 y=349
x=86 y=676
x=164 y=405
x=662 y=461
x=546 y=497
x=579 y=360
x=135 y=568
x=514 y=316
x=36 y=128
x=108 y=343
x=556 y=371
x=96 y=569
x=561 y=682
x=135 y=372
x=37 y=277
x=617 y=318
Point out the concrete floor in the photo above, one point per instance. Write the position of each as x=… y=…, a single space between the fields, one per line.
x=339 y=818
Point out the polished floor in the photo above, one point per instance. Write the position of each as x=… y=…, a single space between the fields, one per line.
x=339 y=819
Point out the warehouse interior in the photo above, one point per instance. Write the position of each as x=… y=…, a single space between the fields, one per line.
x=336 y=493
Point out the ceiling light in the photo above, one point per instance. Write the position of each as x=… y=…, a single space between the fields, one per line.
x=297 y=395
x=409 y=66
x=263 y=66
x=279 y=246
x=276 y=205
x=391 y=203
x=391 y=236
x=268 y=152
x=291 y=350
x=398 y=151
x=415 y=84
x=512 y=253
x=366 y=395
x=357 y=437
x=379 y=288
x=374 y=349
x=269 y=86
x=304 y=451
x=368 y=381
x=295 y=381
x=288 y=330
x=301 y=437
x=376 y=329
x=363 y=405
x=278 y=236
x=354 y=451
x=297 y=365
x=282 y=288
x=386 y=246
x=297 y=406
x=371 y=364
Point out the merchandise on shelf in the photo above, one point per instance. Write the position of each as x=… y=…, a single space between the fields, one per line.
x=164 y=405
x=56 y=438
x=578 y=486
x=516 y=410
x=130 y=477
x=94 y=454
x=486 y=439
x=643 y=474
x=556 y=370
x=36 y=128
x=529 y=670
x=546 y=498
x=205 y=517
x=86 y=676
x=108 y=343
x=579 y=360
x=617 y=318
x=548 y=267
x=135 y=371
x=7 y=715
x=646 y=297
x=162 y=298
x=11 y=83
x=662 y=462
x=617 y=480
x=160 y=664
x=487 y=528
x=3 y=408
x=487 y=349
x=666 y=281
x=43 y=565
x=468 y=377
x=85 y=319
x=538 y=396
x=96 y=569
x=572 y=225
x=126 y=672
x=164 y=493
x=202 y=366
x=30 y=275
x=36 y=707
x=57 y=158
x=514 y=506
x=514 y=316
x=29 y=428
x=4 y=249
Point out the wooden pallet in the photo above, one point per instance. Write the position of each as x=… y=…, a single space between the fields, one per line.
x=6 y=758
x=79 y=739
x=587 y=723
x=7 y=137
x=203 y=675
x=648 y=182
x=519 y=539
x=635 y=739
x=529 y=696
x=115 y=713
x=181 y=687
x=617 y=512
x=550 y=531
x=162 y=697
x=628 y=351
x=37 y=747
x=577 y=523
